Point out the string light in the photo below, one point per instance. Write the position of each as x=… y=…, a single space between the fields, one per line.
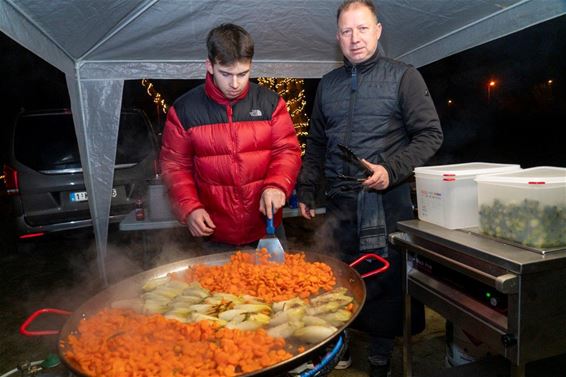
x=291 y=90
x=153 y=93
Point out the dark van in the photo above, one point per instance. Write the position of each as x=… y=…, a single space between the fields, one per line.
x=43 y=177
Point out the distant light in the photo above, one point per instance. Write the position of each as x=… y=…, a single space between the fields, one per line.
x=450 y=102
x=549 y=82
x=490 y=85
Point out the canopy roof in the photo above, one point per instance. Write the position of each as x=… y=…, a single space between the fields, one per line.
x=98 y=44
x=164 y=39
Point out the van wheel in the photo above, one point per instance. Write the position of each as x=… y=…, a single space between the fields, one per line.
x=8 y=244
x=25 y=247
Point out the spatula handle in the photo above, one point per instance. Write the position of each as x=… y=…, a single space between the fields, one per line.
x=269 y=228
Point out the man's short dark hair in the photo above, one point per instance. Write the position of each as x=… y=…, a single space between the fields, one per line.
x=228 y=44
x=348 y=3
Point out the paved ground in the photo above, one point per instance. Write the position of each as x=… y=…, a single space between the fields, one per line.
x=61 y=272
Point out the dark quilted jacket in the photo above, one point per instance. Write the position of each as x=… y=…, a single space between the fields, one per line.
x=382 y=110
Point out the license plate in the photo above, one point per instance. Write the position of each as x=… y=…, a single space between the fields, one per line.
x=81 y=196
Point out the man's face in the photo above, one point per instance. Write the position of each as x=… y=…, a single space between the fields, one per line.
x=358 y=33
x=230 y=79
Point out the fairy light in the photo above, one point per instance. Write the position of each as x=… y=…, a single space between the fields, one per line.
x=291 y=90
x=153 y=93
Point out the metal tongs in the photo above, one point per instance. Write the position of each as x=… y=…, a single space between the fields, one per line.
x=358 y=161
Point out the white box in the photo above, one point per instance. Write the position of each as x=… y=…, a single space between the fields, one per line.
x=159 y=207
x=527 y=206
x=447 y=194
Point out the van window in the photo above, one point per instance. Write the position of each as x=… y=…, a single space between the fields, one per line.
x=47 y=141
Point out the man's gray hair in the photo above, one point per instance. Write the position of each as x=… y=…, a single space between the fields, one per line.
x=348 y=3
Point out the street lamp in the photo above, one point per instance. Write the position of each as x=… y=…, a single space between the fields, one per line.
x=490 y=85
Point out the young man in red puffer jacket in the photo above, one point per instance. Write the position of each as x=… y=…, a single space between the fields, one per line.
x=230 y=155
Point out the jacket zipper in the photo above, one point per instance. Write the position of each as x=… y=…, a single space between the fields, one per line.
x=233 y=134
x=348 y=133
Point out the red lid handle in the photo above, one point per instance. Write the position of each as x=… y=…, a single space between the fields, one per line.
x=24 y=326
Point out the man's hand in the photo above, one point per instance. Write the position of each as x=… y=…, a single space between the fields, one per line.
x=379 y=180
x=307 y=212
x=200 y=224
x=271 y=200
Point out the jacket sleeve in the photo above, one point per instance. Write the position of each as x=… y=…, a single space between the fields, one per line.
x=422 y=126
x=312 y=170
x=176 y=161
x=285 y=154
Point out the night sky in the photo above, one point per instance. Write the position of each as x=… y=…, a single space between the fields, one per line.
x=523 y=121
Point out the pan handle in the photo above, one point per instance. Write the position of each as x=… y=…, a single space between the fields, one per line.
x=24 y=327
x=372 y=256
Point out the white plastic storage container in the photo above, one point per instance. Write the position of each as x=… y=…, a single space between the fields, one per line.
x=527 y=207
x=447 y=194
x=158 y=200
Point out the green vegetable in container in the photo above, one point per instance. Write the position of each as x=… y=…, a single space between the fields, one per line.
x=527 y=222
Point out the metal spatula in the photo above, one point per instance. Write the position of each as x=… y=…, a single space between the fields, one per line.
x=272 y=244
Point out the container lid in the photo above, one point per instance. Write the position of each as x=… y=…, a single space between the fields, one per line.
x=469 y=169
x=539 y=175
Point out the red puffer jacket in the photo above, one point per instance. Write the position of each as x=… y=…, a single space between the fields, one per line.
x=221 y=155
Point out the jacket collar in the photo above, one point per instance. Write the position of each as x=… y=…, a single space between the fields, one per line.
x=365 y=65
x=216 y=95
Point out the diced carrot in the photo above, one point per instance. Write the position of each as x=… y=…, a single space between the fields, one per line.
x=149 y=346
x=266 y=280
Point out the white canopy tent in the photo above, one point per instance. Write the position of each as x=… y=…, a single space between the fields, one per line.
x=100 y=43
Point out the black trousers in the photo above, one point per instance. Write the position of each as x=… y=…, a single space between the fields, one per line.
x=382 y=314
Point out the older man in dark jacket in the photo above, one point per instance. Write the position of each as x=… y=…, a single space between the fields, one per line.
x=381 y=109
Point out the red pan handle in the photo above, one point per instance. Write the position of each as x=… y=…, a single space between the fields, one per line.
x=24 y=326
x=372 y=256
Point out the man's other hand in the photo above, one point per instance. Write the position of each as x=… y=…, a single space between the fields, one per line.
x=200 y=224
x=379 y=180
x=272 y=199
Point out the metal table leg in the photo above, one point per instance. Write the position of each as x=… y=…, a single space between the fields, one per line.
x=518 y=370
x=407 y=351
x=151 y=248
x=146 y=258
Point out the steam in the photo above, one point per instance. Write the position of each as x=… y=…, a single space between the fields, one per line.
x=312 y=235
